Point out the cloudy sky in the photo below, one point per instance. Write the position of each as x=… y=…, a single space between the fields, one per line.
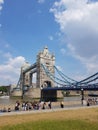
x=68 y=27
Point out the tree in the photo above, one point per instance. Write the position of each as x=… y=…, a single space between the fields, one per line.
x=3 y=89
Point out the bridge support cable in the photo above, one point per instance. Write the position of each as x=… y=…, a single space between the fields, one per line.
x=88 y=79
x=84 y=82
x=56 y=78
x=52 y=77
x=62 y=76
x=19 y=82
x=66 y=78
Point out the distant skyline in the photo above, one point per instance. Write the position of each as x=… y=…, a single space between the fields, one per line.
x=69 y=28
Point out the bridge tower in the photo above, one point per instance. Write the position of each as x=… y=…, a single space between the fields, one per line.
x=25 y=77
x=46 y=58
x=25 y=83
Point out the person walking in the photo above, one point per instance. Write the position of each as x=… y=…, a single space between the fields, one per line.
x=49 y=104
x=62 y=104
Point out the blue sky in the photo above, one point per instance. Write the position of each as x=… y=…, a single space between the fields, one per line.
x=68 y=27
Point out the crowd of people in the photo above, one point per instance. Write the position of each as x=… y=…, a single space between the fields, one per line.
x=27 y=106
x=32 y=105
x=41 y=105
x=92 y=101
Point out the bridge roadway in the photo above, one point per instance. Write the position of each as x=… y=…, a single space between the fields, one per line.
x=85 y=88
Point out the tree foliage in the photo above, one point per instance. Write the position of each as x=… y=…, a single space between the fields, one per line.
x=3 y=89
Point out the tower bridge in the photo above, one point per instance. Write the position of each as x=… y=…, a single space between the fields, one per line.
x=42 y=80
x=47 y=82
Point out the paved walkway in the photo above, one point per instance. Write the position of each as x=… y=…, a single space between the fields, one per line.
x=44 y=111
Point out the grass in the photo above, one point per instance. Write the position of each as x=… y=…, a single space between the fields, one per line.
x=82 y=119
x=54 y=125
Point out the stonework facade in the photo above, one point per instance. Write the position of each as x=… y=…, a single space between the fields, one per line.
x=26 y=76
x=27 y=87
x=46 y=58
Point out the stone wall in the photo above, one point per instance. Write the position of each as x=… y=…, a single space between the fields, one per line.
x=33 y=93
x=46 y=58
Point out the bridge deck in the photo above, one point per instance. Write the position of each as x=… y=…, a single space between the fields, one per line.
x=72 y=88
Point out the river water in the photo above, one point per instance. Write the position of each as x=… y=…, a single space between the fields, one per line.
x=6 y=101
x=73 y=98
x=9 y=100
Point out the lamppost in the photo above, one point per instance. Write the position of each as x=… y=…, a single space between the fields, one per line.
x=82 y=95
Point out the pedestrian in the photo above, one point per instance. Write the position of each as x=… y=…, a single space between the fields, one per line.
x=49 y=104
x=62 y=104
x=9 y=109
x=44 y=105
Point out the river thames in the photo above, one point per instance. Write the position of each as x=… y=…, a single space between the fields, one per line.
x=7 y=101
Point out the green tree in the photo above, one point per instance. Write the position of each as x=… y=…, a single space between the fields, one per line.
x=3 y=89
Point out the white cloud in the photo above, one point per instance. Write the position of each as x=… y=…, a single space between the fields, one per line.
x=41 y=1
x=78 y=20
x=1 y=2
x=9 y=72
x=7 y=55
x=0 y=7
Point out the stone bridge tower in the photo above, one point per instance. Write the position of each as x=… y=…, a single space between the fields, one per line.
x=48 y=59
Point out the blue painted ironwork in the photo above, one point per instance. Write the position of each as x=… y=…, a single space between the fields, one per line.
x=51 y=76
x=64 y=81
x=64 y=76
x=71 y=84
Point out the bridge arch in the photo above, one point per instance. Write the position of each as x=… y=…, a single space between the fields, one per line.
x=46 y=84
